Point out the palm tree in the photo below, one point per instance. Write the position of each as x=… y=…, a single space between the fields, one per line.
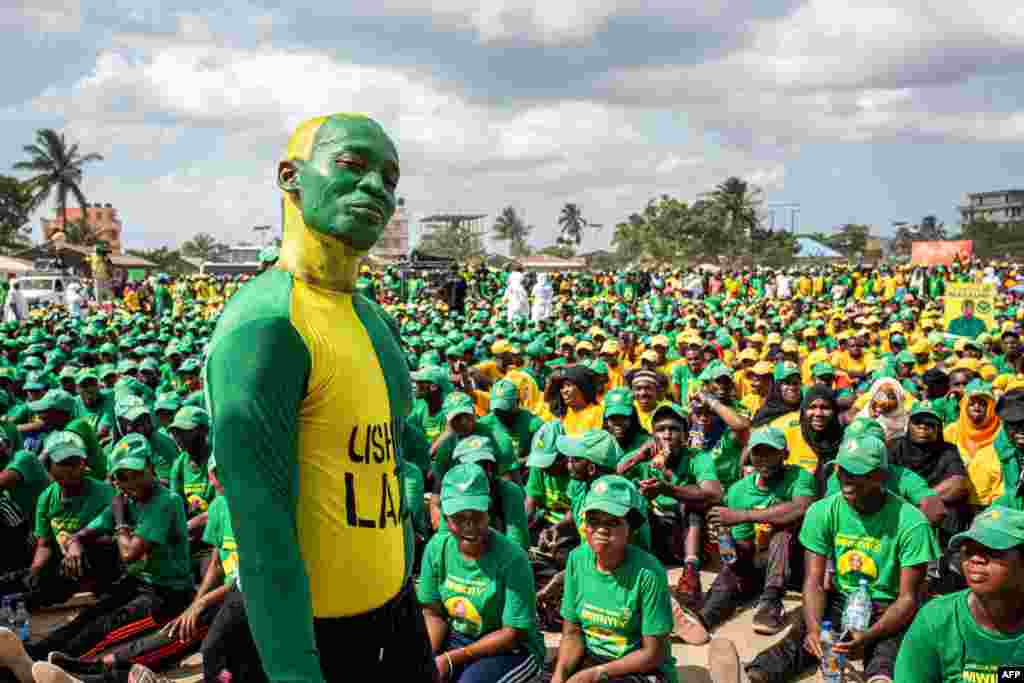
x=79 y=232
x=739 y=202
x=57 y=167
x=572 y=222
x=509 y=227
x=203 y=246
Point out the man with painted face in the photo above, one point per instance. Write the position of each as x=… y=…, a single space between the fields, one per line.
x=308 y=389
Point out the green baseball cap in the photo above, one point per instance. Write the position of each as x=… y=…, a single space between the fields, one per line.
x=474 y=449
x=67 y=372
x=432 y=373
x=465 y=487
x=504 y=395
x=615 y=495
x=190 y=365
x=865 y=425
x=862 y=454
x=823 y=370
x=596 y=445
x=107 y=370
x=190 y=417
x=130 y=407
x=998 y=528
x=979 y=387
x=86 y=374
x=458 y=403
x=906 y=357
x=54 y=399
x=772 y=437
x=63 y=445
x=35 y=381
x=922 y=408
x=543 y=448
x=167 y=402
x=619 y=401
x=715 y=371
x=269 y=254
x=785 y=370
x=132 y=452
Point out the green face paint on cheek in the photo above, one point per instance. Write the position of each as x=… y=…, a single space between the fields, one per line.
x=348 y=183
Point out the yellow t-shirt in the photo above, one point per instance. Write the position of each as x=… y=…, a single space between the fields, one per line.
x=800 y=453
x=349 y=522
x=578 y=422
x=489 y=369
x=984 y=477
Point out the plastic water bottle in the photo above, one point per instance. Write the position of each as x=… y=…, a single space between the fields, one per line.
x=224 y=677
x=6 y=616
x=696 y=438
x=726 y=546
x=857 y=615
x=22 y=624
x=831 y=663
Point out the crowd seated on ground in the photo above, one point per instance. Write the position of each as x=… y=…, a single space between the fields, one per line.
x=561 y=457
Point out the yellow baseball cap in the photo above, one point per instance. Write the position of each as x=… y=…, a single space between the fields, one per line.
x=763 y=367
x=774 y=338
x=790 y=345
x=660 y=340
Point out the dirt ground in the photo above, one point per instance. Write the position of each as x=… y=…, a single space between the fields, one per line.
x=691 y=660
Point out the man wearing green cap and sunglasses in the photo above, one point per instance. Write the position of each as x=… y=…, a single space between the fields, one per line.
x=974 y=634
x=874 y=538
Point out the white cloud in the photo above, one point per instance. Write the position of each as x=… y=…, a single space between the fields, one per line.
x=46 y=16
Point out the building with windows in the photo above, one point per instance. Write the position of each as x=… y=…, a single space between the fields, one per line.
x=100 y=219
x=393 y=244
x=1000 y=206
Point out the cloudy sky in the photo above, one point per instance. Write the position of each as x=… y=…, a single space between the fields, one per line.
x=859 y=111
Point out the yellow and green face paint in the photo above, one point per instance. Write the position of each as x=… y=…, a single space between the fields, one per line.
x=339 y=180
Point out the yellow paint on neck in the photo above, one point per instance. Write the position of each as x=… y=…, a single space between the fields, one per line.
x=315 y=258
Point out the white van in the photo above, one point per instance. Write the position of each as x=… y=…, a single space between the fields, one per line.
x=42 y=289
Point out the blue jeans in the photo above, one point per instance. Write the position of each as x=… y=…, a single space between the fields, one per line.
x=518 y=666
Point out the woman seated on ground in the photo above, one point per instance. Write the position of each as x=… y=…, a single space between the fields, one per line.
x=616 y=607
x=571 y=397
x=888 y=403
x=477 y=591
x=813 y=439
x=622 y=422
x=978 y=425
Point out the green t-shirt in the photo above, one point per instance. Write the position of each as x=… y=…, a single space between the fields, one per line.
x=615 y=611
x=412 y=483
x=431 y=425
x=946 y=645
x=904 y=482
x=499 y=439
x=747 y=495
x=160 y=521
x=192 y=483
x=726 y=455
x=482 y=596
x=524 y=425
x=58 y=517
x=690 y=470
x=552 y=492
x=873 y=547
x=578 y=491
x=681 y=377
x=220 y=535
x=34 y=481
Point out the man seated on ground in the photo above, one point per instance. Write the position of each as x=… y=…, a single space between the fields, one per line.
x=189 y=479
x=509 y=416
x=135 y=417
x=64 y=508
x=22 y=479
x=681 y=484
x=148 y=522
x=871 y=535
x=762 y=512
